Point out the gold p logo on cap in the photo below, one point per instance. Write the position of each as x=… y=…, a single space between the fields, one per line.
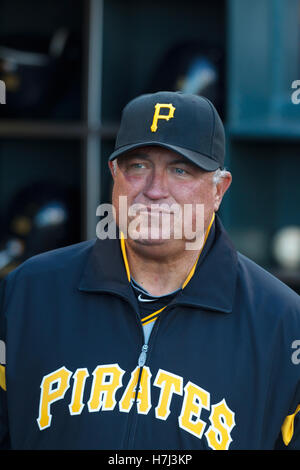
x=157 y=116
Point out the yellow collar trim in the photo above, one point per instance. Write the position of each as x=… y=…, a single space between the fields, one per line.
x=123 y=248
x=192 y=271
x=2 y=378
x=287 y=429
x=150 y=318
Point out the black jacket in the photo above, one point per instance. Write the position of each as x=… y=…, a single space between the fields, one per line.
x=220 y=371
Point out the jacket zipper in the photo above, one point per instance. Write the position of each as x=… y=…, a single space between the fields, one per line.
x=141 y=362
x=133 y=415
x=143 y=356
x=130 y=432
x=129 y=440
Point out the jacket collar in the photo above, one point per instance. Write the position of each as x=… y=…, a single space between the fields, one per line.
x=212 y=286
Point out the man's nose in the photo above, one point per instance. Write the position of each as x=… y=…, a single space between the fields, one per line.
x=157 y=186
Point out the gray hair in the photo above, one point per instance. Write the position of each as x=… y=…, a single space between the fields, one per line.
x=114 y=162
x=218 y=175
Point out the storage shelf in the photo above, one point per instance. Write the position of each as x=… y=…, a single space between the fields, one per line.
x=287 y=130
x=48 y=129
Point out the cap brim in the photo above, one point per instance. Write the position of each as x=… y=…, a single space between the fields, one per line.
x=198 y=159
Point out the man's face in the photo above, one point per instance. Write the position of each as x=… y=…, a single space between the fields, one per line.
x=157 y=176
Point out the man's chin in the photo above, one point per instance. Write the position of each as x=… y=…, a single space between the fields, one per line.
x=158 y=249
x=151 y=241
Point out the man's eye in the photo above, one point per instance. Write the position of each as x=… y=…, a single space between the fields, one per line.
x=179 y=171
x=136 y=166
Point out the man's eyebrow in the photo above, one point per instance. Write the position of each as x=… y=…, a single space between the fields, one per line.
x=145 y=155
x=180 y=160
x=136 y=154
x=184 y=161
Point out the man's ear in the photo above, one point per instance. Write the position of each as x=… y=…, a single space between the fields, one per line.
x=221 y=188
x=112 y=169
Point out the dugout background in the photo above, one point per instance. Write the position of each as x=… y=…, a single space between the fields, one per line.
x=70 y=66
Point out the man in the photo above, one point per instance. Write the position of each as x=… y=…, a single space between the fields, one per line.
x=163 y=337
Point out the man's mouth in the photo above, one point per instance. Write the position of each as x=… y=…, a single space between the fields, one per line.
x=156 y=210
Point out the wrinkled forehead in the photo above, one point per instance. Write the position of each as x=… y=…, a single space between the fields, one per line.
x=157 y=154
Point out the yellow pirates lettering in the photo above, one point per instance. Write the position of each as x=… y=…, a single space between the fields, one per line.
x=222 y=422
x=169 y=384
x=53 y=388
x=144 y=393
x=76 y=404
x=195 y=398
x=107 y=380
x=158 y=116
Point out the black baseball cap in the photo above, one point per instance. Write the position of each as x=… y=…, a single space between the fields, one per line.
x=185 y=123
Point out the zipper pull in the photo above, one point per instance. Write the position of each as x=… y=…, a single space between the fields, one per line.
x=143 y=355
